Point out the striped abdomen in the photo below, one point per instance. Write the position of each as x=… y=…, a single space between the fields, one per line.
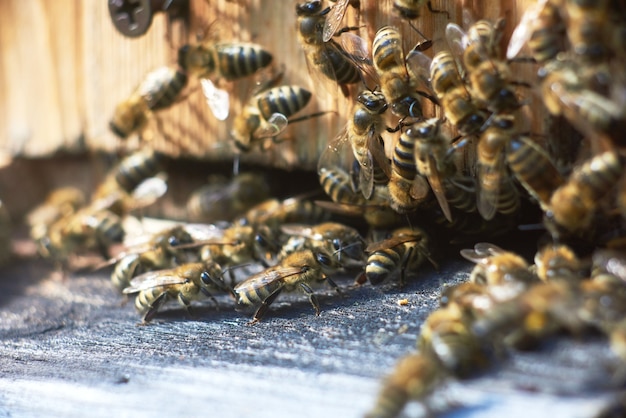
x=240 y=60
x=286 y=100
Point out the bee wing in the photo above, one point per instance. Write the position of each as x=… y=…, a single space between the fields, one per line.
x=148 y=192
x=154 y=279
x=419 y=188
x=204 y=232
x=299 y=230
x=276 y=123
x=341 y=208
x=334 y=19
x=366 y=175
x=434 y=179
x=217 y=99
x=418 y=64
x=357 y=50
x=457 y=40
x=266 y=277
x=152 y=84
x=391 y=242
x=481 y=252
x=523 y=31
x=336 y=154
x=376 y=145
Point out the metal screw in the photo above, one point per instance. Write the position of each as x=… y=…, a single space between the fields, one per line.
x=134 y=17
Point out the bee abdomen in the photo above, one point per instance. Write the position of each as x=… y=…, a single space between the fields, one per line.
x=124 y=270
x=146 y=298
x=343 y=71
x=241 y=60
x=336 y=184
x=387 y=49
x=256 y=295
x=381 y=264
x=286 y=100
x=166 y=92
x=137 y=168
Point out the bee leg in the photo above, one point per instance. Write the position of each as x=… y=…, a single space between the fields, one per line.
x=264 y=306
x=405 y=263
x=334 y=286
x=430 y=9
x=210 y=296
x=154 y=308
x=312 y=297
x=186 y=304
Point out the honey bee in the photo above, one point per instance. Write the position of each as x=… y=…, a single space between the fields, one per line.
x=533 y=168
x=564 y=92
x=299 y=270
x=396 y=83
x=496 y=191
x=447 y=336
x=404 y=252
x=496 y=266
x=541 y=28
x=184 y=283
x=573 y=205
x=160 y=89
x=131 y=184
x=159 y=252
x=558 y=262
x=410 y=9
x=226 y=201
x=59 y=203
x=89 y=227
x=589 y=29
x=489 y=76
x=362 y=132
x=266 y=114
x=226 y=60
x=324 y=56
x=376 y=211
x=456 y=101
x=339 y=240
x=414 y=377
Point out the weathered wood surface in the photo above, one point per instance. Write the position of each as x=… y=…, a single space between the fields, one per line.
x=63 y=68
x=68 y=348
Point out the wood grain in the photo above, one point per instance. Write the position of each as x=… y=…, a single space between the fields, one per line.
x=64 y=67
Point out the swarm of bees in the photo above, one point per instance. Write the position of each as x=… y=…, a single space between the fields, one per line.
x=470 y=167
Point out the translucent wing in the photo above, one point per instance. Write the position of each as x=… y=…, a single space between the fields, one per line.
x=153 y=279
x=481 y=252
x=457 y=39
x=148 y=192
x=357 y=50
x=266 y=277
x=493 y=174
x=334 y=19
x=276 y=123
x=523 y=31
x=434 y=179
x=217 y=99
x=392 y=242
x=418 y=65
x=337 y=153
x=419 y=187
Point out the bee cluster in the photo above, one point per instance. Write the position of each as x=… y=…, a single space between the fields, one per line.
x=439 y=138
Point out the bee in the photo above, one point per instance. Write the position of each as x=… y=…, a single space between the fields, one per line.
x=533 y=168
x=160 y=89
x=396 y=82
x=489 y=76
x=341 y=241
x=89 y=227
x=573 y=205
x=558 y=262
x=59 y=203
x=226 y=60
x=225 y=201
x=496 y=191
x=447 y=336
x=404 y=252
x=159 y=252
x=456 y=101
x=495 y=266
x=589 y=29
x=337 y=184
x=410 y=9
x=324 y=56
x=266 y=114
x=414 y=377
x=564 y=92
x=363 y=134
x=132 y=184
x=542 y=28
x=184 y=283
x=299 y=270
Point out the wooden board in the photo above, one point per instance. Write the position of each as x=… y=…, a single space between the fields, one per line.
x=64 y=67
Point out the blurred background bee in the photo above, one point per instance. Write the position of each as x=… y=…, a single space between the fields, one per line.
x=184 y=283
x=160 y=89
x=298 y=271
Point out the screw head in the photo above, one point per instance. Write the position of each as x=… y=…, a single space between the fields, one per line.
x=131 y=17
